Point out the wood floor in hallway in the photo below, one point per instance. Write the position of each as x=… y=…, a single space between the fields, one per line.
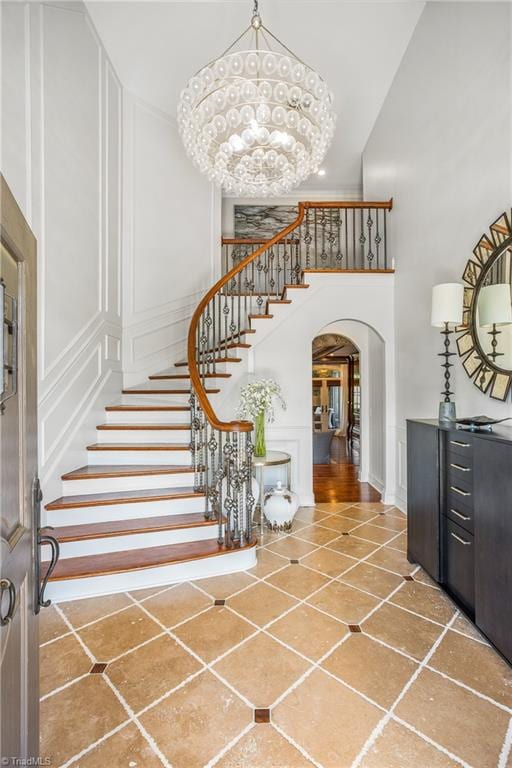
x=338 y=481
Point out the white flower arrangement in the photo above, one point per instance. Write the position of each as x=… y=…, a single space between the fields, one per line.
x=257 y=397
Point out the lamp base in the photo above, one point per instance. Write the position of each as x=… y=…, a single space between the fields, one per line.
x=447 y=411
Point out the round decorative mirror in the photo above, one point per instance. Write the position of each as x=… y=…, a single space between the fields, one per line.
x=486 y=341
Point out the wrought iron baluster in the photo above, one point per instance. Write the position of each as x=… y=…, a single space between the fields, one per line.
x=362 y=238
x=307 y=238
x=385 y=240
x=369 y=224
x=323 y=223
x=353 y=238
x=377 y=238
x=316 y=237
x=228 y=501
x=220 y=490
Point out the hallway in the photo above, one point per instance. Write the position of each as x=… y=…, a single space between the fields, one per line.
x=338 y=481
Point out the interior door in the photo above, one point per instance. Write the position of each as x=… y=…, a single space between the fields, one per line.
x=19 y=690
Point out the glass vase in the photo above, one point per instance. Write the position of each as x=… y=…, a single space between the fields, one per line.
x=260 y=448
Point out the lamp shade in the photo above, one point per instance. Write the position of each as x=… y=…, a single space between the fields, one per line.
x=447 y=301
x=494 y=305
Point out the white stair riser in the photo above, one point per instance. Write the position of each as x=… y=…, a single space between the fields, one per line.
x=132 y=541
x=181 y=399
x=144 y=436
x=182 y=458
x=127 y=483
x=147 y=417
x=227 y=562
x=105 y=512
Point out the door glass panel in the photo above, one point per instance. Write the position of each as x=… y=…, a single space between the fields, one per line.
x=10 y=501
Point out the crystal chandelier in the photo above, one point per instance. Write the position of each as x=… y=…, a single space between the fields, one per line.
x=257 y=120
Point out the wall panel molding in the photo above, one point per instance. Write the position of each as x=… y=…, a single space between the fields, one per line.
x=62 y=116
x=171 y=229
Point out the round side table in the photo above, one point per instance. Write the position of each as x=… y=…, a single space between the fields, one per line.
x=271 y=459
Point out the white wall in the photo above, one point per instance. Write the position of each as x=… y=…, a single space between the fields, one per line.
x=366 y=300
x=171 y=240
x=61 y=156
x=441 y=147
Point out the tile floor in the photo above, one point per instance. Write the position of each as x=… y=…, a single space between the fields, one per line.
x=333 y=651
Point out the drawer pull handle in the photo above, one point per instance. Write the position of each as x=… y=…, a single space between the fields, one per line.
x=459 y=538
x=460 y=467
x=458 y=490
x=461 y=444
x=459 y=514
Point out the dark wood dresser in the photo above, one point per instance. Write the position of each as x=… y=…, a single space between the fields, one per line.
x=459 y=506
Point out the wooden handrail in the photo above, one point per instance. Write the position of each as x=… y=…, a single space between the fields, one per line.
x=226 y=426
x=197 y=384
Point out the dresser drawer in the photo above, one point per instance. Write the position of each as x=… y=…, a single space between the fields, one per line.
x=459 y=442
x=460 y=486
x=461 y=466
x=460 y=563
x=461 y=514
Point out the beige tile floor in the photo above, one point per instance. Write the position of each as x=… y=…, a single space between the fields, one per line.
x=339 y=658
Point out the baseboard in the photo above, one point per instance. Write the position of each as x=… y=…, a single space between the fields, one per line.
x=377 y=484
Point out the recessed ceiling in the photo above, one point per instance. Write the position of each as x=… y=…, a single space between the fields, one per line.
x=356 y=46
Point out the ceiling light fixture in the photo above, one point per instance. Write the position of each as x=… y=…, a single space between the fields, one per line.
x=258 y=120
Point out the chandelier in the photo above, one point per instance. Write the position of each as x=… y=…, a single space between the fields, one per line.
x=257 y=120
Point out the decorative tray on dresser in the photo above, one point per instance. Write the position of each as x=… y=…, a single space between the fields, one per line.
x=459 y=506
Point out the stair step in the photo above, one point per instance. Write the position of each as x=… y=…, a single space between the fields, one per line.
x=287 y=286
x=261 y=317
x=122 y=497
x=138 y=426
x=112 y=528
x=279 y=301
x=152 y=390
x=162 y=408
x=183 y=363
x=133 y=560
x=138 y=447
x=164 y=376
x=95 y=472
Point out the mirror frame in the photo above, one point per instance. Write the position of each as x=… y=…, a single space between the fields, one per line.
x=484 y=373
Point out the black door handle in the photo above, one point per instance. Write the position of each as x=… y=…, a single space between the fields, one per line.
x=6 y=584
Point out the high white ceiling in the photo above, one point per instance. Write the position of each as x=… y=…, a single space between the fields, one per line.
x=356 y=46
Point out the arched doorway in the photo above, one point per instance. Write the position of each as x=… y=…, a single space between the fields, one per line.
x=348 y=404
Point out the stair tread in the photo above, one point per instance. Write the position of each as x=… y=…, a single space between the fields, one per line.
x=151 y=389
x=164 y=376
x=97 y=471
x=217 y=360
x=112 y=528
x=137 y=426
x=123 y=497
x=136 y=559
x=138 y=447
x=261 y=317
x=163 y=408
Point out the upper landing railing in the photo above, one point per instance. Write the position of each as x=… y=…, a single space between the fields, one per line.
x=332 y=236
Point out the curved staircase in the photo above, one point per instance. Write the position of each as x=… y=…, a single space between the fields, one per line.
x=166 y=494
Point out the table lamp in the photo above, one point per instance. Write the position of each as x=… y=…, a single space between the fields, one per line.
x=447 y=300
